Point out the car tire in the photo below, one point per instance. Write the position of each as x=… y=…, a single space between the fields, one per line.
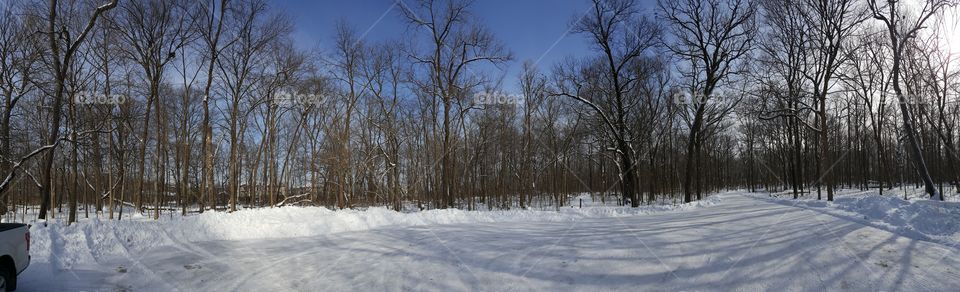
x=9 y=279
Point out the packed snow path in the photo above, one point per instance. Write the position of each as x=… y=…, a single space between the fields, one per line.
x=742 y=243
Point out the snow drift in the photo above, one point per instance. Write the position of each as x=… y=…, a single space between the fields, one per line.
x=89 y=240
x=922 y=219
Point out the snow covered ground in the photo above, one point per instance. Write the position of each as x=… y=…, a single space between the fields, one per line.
x=732 y=241
x=917 y=218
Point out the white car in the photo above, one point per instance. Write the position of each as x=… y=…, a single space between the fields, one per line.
x=14 y=253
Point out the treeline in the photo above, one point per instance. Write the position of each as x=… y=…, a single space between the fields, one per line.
x=182 y=106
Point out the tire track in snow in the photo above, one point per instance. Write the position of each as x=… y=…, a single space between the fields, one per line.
x=245 y=277
x=136 y=261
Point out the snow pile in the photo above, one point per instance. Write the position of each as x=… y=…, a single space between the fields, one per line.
x=919 y=219
x=92 y=239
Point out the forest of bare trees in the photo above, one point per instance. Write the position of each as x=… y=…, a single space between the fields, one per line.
x=180 y=106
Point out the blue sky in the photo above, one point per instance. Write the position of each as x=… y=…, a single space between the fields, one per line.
x=528 y=28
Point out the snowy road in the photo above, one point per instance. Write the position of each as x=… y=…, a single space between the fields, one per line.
x=742 y=243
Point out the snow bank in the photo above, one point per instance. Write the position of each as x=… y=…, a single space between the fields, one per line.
x=92 y=239
x=919 y=219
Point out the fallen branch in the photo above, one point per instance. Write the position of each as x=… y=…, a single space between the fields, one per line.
x=16 y=166
x=285 y=198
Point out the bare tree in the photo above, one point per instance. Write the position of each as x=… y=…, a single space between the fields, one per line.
x=714 y=37
x=63 y=47
x=189 y=72
x=534 y=87
x=456 y=45
x=785 y=37
x=623 y=41
x=348 y=63
x=901 y=30
x=867 y=77
x=153 y=33
x=19 y=53
x=831 y=22
x=384 y=76
x=238 y=66
x=933 y=68
x=210 y=27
